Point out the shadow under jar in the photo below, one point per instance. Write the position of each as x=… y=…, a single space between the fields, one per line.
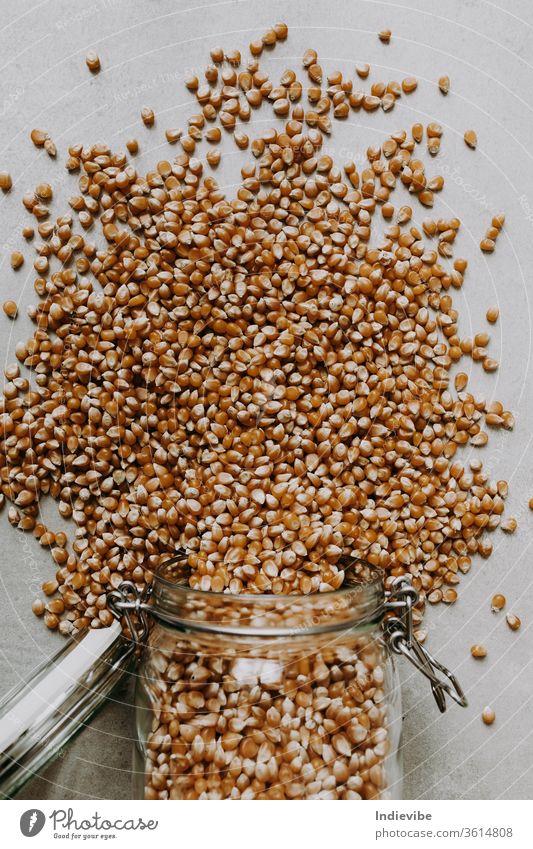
x=267 y=697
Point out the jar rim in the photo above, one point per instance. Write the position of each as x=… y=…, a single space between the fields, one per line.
x=358 y=602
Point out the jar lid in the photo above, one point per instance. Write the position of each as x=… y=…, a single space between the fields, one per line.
x=40 y=716
x=359 y=603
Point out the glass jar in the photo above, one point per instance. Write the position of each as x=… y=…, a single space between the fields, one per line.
x=268 y=697
x=238 y=697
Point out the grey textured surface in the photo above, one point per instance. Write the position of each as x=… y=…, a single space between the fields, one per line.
x=145 y=49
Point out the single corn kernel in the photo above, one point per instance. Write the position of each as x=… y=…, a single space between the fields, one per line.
x=217 y=55
x=444 y=84
x=213 y=157
x=44 y=191
x=470 y=139
x=5 y=181
x=49 y=587
x=488 y=716
x=281 y=30
x=256 y=47
x=433 y=149
x=461 y=380
x=147 y=116
x=497 y=603
x=38 y=607
x=409 y=84
x=173 y=136
x=449 y=595
x=310 y=57
x=10 y=308
x=481 y=340
x=92 y=61
x=478 y=651
x=50 y=148
x=211 y=74
x=38 y=137
x=51 y=621
x=233 y=57
x=513 y=621
x=269 y=38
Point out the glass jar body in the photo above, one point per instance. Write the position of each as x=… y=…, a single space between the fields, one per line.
x=303 y=715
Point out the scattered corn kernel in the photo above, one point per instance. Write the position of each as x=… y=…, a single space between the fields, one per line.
x=488 y=716
x=38 y=607
x=44 y=191
x=92 y=61
x=509 y=525
x=478 y=651
x=38 y=137
x=147 y=116
x=10 y=308
x=5 y=181
x=513 y=621
x=409 y=84
x=50 y=147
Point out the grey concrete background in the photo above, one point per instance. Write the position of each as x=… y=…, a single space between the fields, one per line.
x=146 y=46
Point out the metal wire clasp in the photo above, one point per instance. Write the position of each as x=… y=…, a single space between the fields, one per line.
x=128 y=601
x=398 y=626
